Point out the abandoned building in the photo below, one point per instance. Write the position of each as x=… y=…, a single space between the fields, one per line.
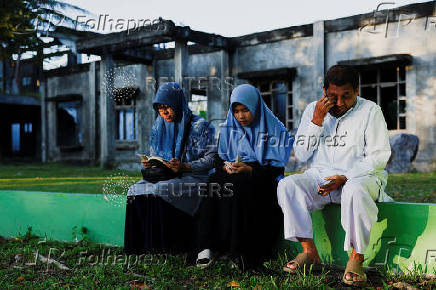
x=20 y=111
x=101 y=113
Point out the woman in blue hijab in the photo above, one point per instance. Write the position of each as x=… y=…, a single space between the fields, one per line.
x=241 y=216
x=159 y=214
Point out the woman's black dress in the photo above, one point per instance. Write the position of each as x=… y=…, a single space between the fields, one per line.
x=154 y=225
x=246 y=223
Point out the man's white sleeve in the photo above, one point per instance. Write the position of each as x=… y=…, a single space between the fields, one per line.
x=377 y=148
x=308 y=135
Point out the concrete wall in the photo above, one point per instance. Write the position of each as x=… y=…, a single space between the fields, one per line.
x=297 y=53
x=310 y=56
x=405 y=38
x=82 y=83
x=203 y=71
x=138 y=76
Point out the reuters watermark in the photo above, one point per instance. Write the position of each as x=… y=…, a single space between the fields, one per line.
x=181 y=189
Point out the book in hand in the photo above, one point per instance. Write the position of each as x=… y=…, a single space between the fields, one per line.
x=155 y=161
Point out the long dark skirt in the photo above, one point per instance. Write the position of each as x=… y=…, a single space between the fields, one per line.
x=153 y=225
x=245 y=223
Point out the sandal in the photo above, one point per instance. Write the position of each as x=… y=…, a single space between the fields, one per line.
x=302 y=261
x=356 y=268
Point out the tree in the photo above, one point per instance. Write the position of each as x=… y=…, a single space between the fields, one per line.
x=23 y=23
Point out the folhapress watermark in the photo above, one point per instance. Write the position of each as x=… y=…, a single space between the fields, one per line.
x=106 y=23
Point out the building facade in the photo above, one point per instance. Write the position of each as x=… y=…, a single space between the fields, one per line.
x=101 y=113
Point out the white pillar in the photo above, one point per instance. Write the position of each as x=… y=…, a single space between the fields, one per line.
x=180 y=64
x=91 y=113
x=43 y=93
x=319 y=58
x=107 y=128
x=144 y=107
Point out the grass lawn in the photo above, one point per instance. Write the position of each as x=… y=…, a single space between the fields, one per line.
x=409 y=187
x=56 y=177
x=87 y=265
x=412 y=187
x=92 y=265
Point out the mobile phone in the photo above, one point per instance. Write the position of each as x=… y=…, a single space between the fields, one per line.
x=324 y=185
x=228 y=164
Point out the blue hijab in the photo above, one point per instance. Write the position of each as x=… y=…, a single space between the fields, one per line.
x=167 y=137
x=265 y=140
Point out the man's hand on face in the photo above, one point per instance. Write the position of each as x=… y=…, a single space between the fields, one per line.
x=336 y=181
x=322 y=107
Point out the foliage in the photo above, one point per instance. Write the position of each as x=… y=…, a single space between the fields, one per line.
x=23 y=21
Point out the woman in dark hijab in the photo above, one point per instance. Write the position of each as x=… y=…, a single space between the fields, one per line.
x=241 y=216
x=159 y=215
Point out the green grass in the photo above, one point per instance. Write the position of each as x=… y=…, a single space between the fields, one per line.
x=160 y=271
x=56 y=177
x=412 y=187
x=99 y=266
x=90 y=269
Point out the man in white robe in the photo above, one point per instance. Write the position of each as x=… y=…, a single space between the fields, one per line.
x=346 y=142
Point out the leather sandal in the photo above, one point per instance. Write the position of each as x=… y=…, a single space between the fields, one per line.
x=302 y=260
x=356 y=268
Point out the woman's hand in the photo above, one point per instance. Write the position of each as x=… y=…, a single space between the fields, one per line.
x=145 y=163
x=241 y=167
x=238 y=167
x=227 y=169
x=175 y=165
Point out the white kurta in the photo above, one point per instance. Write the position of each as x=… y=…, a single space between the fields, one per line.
x=355 y=145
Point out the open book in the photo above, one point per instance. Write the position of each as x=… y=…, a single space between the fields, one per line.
x=155 y=161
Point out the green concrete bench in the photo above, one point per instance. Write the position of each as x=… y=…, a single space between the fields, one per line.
x=404 y=235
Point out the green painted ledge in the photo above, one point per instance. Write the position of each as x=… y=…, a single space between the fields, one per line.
x=404 y=235
x=55 y=215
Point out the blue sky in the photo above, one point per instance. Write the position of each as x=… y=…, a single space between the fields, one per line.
x=231 y=17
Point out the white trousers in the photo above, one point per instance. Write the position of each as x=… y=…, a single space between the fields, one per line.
x=298 y=196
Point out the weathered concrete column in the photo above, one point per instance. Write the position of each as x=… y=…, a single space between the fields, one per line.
x=180 y=64
x=412 y=110
x=106 y=111
x=43 y=93
x=91 y=113
x=145 y=107
x=319 y=58
x=180 y=60
x=225 y=87
x=53 y=153
x=214 y=103
x=218 y=92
